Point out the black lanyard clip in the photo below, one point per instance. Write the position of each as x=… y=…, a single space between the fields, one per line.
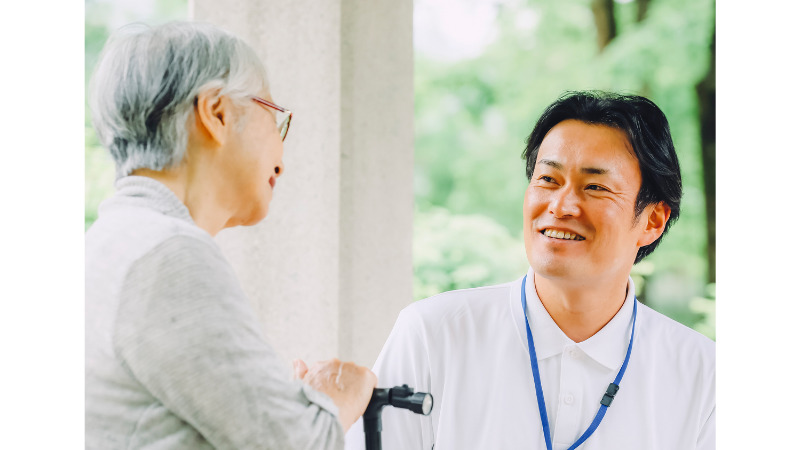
x=609 y=395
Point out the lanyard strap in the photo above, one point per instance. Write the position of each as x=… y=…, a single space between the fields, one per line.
x=607 y=397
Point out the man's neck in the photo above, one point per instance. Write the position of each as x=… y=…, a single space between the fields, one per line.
x=583 y=310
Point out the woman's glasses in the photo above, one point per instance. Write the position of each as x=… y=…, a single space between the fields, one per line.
x=283 y=117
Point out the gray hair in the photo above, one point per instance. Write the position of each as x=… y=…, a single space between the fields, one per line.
x=143 y=90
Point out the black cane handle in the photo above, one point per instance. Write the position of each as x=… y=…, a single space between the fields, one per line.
x=400 y=397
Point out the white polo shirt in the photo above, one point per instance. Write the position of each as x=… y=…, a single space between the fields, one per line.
x=469 y=349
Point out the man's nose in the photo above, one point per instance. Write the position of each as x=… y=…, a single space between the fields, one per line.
x=565 y=202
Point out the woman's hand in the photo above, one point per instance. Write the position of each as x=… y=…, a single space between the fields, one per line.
x=348 y=385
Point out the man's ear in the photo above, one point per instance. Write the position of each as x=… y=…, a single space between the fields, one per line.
x=213 y=114
x=657 y=216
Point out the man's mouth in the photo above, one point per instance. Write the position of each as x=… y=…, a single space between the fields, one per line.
x=558 y=234
x=272 y=182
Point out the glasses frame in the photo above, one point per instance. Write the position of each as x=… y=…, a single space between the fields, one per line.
x=283 y=127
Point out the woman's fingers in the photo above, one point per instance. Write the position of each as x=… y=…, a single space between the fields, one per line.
x=300 y=369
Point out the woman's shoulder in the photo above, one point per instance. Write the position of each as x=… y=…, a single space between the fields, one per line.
x=148 y=246
x=131 y=232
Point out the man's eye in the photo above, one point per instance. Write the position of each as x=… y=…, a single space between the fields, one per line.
x=595 y=187
x=547 y=179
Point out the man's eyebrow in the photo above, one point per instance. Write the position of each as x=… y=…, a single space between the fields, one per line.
x=559 y=166
x=551 y=163
x=594 y=170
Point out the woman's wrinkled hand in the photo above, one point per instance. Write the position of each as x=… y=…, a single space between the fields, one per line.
x=347 y=384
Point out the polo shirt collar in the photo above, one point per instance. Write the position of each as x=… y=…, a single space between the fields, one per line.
x=608 y=346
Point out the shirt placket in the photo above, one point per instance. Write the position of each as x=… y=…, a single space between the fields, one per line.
x=570 y=395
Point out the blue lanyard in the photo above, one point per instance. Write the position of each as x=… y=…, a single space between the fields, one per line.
x=607 y=397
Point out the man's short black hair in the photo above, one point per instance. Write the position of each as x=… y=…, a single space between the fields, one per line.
x=648 y=132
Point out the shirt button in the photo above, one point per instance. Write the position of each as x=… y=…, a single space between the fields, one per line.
x=568 y=399
x=573 y=353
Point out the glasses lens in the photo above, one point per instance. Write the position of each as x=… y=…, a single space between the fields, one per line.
x=283 y=120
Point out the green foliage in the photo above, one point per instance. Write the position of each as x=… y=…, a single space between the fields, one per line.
x=707 y=308
x=98 y=166
x=471 y=121
x=462 y=251
x=100 y=20
x=99 y=177
x=472 y=118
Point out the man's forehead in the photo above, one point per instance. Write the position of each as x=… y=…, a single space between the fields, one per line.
x=596 y=148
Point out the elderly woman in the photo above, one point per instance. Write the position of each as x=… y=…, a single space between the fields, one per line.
x=174 y=355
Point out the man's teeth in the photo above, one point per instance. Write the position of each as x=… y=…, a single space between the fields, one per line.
x=562 y=235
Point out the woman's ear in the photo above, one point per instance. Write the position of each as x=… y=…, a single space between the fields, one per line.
x=213 y=114
x=657 y=217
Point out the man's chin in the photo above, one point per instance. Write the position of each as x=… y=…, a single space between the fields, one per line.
x=555 y=269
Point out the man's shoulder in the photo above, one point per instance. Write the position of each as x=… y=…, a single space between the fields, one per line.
x=678 y=360
x=665 y=332
x=454 y=305
x=436 y=330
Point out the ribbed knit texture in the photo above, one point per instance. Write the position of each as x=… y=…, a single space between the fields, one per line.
x=175 y=358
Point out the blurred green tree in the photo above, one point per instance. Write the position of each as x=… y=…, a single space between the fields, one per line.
x=101 y=18
x=472 y=117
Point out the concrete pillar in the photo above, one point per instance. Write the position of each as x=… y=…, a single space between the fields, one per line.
x=329 y=269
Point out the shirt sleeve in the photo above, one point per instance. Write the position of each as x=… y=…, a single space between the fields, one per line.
x=189 y=336
x=404 y=359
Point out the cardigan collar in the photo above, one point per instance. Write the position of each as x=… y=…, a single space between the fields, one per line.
x=148 y=193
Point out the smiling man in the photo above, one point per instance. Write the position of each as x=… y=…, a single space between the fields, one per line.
x=565 y=357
